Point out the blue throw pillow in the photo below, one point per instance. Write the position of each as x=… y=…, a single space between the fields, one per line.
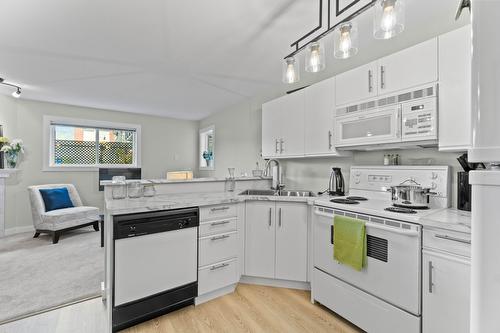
x=56 y=198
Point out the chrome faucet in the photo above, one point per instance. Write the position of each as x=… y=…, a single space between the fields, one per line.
x=276 y=184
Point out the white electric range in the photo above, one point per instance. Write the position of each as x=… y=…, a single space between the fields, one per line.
x=385 y=296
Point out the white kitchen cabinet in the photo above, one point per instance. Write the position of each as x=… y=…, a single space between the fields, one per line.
x=446 y=289
x=291 y=241
x=270 y=118
x=260 y=238
x=357 y=84
x=411 y=67
x=319 y=119
x=283 y=126
x=455 y=90
x=276 y=240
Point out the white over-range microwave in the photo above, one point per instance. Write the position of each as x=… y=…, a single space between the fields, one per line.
x=410 y=118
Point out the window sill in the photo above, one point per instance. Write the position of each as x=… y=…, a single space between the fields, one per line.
x=84 y=168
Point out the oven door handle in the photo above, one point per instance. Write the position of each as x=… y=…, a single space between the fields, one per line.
x=409 y=233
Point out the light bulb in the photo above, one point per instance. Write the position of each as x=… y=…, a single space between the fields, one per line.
x=389 y=18
x=291 y=70
x=315 y=58
x=345 y=41
x=17 y=93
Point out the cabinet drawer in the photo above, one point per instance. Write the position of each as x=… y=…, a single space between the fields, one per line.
x=218 y=226
x=217 y=212
x=450 y=241
x=217 y=248
x=217 y=276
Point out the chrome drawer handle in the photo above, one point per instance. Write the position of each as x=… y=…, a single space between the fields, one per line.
x=219 y=237
x=219 y=208
x=219 y=223
x=450 y=238
x=213 y=268
x=431 y=284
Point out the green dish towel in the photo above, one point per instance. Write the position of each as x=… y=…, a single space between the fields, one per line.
x=349 y=241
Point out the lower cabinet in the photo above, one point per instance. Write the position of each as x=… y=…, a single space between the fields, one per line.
x=276 y=240
x=445 y=290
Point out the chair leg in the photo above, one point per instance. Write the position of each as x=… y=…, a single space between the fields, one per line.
x=55 y=237
x=96 y=225
x=36 y=234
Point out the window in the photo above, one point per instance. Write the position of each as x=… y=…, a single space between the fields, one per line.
x=207 y=148
x=74 y=143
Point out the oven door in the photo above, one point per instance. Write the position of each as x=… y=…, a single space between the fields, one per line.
x=366 y=128
x=394 y=258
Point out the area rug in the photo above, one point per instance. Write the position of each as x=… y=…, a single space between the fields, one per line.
x=36 y=275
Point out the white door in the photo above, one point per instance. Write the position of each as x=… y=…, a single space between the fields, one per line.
x=291 y=241
x=414 y=66
x=260 y=239
x=381 y=126
x=446 y=289
x=356 y=85
x=454 y=90
x=270 y=122
x=319 y=117
x=291 y=125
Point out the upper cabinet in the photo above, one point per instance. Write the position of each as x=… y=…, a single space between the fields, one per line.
x=357 y=84
x=319 y=119
x=414 y=66
x=411 y=67
x=283 y=126
x=455 y=90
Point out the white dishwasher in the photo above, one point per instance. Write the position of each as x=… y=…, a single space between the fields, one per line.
x=155 y=264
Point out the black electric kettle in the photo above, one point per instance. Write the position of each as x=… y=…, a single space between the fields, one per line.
x=336 y=186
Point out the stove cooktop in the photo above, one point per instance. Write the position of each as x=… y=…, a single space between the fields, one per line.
x=346 y=201
x=400 y=210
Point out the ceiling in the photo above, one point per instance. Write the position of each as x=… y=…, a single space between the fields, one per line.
x=175 y=58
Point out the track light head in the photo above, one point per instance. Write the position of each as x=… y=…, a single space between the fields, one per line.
x=17 y=93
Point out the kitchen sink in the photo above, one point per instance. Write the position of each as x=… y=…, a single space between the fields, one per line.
x=282 y=193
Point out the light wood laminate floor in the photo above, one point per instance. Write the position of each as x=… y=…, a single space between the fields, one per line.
x=251 y=308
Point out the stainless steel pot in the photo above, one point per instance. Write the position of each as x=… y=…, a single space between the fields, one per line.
x=410 y=196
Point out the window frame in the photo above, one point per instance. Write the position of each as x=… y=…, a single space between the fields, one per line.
x=49 y=133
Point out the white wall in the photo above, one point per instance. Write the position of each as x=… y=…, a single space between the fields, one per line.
x=238 y=144
x=167 y=144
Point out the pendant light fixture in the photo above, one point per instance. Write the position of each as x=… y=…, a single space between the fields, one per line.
x=291 y=71
x=389 y=19
x=315 y=57
x=345 y=40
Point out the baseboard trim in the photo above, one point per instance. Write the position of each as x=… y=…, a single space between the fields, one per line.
x=214 y=294
x=276 y=283
x=17 y=230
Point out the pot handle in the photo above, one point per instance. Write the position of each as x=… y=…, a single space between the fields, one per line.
x=410 y=180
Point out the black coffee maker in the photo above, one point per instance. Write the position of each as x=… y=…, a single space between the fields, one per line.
x=464 y=191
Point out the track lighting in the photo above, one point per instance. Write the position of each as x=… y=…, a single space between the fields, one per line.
x=15 y=94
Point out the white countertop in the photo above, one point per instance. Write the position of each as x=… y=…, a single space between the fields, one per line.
x=183 y=200
x=449 y=219
x=181 y=181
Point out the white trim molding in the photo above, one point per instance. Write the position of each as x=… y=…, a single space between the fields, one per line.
x=48 y=136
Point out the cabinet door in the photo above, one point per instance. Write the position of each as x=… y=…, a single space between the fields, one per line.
x=291 y=125
x=319 y=117
x=356 y=85
x=454 y=90
x=446 y=288
x=414 y=66
x=291 y=241
x=270 y=122
x=260 y=239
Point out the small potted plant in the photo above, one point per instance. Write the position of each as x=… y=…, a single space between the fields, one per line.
x=12 y=151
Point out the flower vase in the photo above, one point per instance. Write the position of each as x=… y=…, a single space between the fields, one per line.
x=11 y=159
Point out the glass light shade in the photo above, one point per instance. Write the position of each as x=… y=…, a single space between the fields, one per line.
x=346 y=40
x=315 y=57
x=389 y=19
x=291 y=71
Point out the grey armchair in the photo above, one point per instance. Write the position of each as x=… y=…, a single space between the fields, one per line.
x=57 y=221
